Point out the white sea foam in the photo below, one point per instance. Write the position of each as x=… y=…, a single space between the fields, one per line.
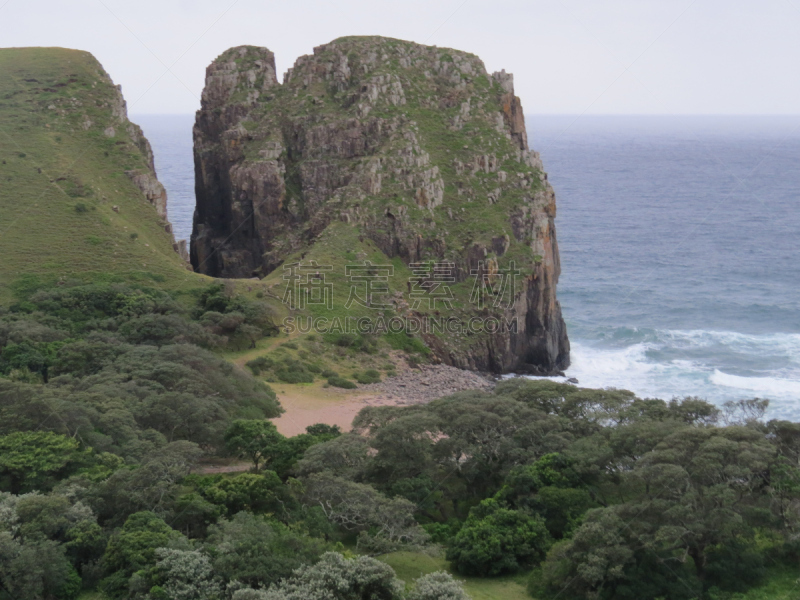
x=630 y=368
x=642 y=368
x=784 y=343
x=768 y=387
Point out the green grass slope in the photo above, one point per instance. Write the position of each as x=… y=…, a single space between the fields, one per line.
x=410 y=566
x=62 y=174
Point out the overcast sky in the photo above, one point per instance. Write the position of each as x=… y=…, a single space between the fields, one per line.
x=567 y=56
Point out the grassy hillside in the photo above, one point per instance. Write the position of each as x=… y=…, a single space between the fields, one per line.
x=62 y=173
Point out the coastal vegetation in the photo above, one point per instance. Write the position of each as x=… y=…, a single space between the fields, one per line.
x=115 y=399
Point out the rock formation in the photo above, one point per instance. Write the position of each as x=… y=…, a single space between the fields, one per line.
x=417 y=147
x=145 y=179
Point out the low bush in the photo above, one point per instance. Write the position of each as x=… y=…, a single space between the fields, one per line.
x=341 y=382
x=294 y=376
x=353 y=341
x=368 y=376
x=406 y=343
x=257 y=365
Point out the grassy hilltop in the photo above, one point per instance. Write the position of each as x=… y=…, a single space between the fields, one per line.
x=62 y=173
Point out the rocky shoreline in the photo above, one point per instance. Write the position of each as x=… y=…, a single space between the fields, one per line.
x=424 y=384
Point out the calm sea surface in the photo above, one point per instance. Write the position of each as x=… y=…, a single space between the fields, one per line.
x=680 y=246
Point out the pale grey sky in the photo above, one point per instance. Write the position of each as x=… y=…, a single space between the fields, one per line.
x=568 y=56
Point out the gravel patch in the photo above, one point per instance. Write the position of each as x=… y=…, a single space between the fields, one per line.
x=428 y=382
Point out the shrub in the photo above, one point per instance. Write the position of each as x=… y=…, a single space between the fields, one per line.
x=329 y=373
x=338 y=578
x=410 y=345
x=438 y=586
x=368 y=376
x=341 y=382
x=257 y=365
x=294 y=376
x=345 y=340
x=352 y=341
x=324 y=429
x=80 y=207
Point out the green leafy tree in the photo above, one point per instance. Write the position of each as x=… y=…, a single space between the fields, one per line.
x=606 y=559
x=133 y=549
x=550 y=488
x=153 y=486
x=192 y=514
x=36 y=357
x=702 y=498
x=384 y=524
x=57 y=518
x=496 y=540
x=257 y=552
x=257 y=440
x=34 y=459
x=180 y=575
x=345 y=456
x=289 y=450
x=335 y=577
x=257 y=493
x=437 y=586
x=35 y=569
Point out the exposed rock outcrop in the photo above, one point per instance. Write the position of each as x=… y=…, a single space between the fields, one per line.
x=152 y=189
x=417 y=147
x=145 y=179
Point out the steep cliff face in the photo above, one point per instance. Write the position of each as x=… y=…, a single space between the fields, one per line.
x=418 y=148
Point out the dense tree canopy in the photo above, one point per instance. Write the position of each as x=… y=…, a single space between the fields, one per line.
x=111 y=396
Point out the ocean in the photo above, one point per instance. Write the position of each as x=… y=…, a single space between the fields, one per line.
x=680 y=248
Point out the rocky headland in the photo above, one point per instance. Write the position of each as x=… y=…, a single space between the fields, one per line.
x=418 y=149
